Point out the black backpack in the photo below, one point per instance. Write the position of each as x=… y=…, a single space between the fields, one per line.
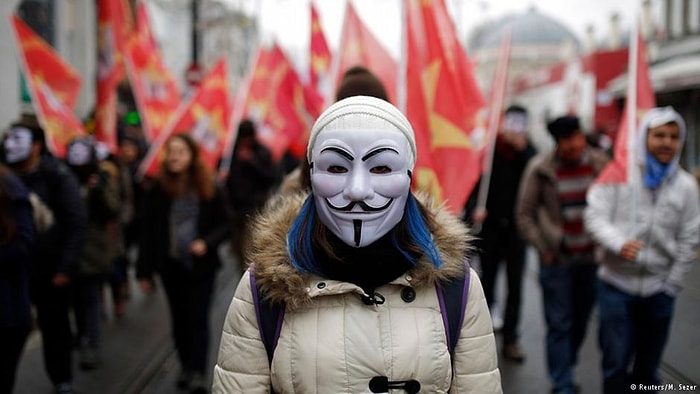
x=452 y=297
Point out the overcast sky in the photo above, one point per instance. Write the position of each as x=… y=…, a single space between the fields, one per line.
x=287 y=20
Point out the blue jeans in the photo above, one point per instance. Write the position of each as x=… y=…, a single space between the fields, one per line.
x=87 y=307
x=632 y=329
x=568 y=296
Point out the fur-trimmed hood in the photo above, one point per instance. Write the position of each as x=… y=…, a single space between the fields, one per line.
x=282 y=282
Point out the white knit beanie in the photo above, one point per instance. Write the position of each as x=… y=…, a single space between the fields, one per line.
x=362 y=113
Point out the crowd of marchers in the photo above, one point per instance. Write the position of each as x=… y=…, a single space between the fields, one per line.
x=357 y=269
x=69 y=228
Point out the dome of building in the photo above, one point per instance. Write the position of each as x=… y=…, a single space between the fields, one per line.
x=528 y=28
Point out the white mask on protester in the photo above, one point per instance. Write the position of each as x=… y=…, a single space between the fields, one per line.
x=515 y=122
x=79 y=153
x=362 y=152
x=360 y=182
x=18 y=145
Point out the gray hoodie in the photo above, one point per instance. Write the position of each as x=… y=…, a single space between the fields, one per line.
x=666 y=219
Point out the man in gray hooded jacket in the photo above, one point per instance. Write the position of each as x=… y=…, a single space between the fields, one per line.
x=648 y=230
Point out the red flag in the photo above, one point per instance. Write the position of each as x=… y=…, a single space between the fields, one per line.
x=114 y=27
x=319 y=65
x=54 y=86
x=206 y=116
x=318 y=88
x=277 y=102
x=443 y=101
x=640 y=99
x=154 y=87
x=359 y=47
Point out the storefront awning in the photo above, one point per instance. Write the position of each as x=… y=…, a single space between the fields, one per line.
x=680 y=73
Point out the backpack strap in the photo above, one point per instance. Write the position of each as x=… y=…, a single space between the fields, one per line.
x=452 y=297
x=270 y=317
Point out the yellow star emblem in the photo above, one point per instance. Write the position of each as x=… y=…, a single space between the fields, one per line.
x=444 y=133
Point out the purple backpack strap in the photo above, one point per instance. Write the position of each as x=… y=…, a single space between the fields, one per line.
x=452 y=297
x=270 y=317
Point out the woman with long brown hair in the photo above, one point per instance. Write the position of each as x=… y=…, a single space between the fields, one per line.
x=184 y=223
x=16 y=238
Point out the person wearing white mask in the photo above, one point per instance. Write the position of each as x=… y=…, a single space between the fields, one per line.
x=648 y=231
x=58 y=248
x=355 y=266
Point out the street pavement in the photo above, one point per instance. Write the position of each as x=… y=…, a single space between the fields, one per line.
x=138 y=356
x=137 y=350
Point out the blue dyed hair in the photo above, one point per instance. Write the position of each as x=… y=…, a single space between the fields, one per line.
x=299 y=239
x=418 y=233
x=300 y=236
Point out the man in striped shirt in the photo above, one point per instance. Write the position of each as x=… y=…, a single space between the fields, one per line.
x=549 y=215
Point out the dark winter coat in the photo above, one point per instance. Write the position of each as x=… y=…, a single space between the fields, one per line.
x=15 y=307
x=250 y=182
x=101 y=240
x=155 y=242
x=58 y=250
x=506 y=172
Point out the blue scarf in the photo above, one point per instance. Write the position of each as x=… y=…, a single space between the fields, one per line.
x=654 y=172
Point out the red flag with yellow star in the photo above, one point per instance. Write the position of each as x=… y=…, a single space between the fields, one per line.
x=154 y=87
x=205 y=116
x=358 y=46
x=320 y=63
x=277 y=103
x=113 y=29
x=53 y=85
x=443 y=101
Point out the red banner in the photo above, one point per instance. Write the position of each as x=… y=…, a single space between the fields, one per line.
x=154 y=87
x=54 y=86
x=319 y=64
x=277 y=102
x=205 y=116
x=443 y=101
x=114 y=27
x=359 y=47
x=640 y=99
x=318 y=89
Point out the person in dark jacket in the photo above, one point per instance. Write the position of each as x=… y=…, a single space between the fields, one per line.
x=132 y=190
x=499 y=239
x=16 y=240
x=251 y=178
x=184 y=222
x=99 y=186
x=58 y=249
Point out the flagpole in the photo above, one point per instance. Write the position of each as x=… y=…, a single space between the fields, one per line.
x=632 y=119
x=498 y=93
x=401 y=100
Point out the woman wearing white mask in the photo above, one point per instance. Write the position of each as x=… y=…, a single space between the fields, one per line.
x=357 y=267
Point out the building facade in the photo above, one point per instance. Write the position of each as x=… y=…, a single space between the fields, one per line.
x=70 y=27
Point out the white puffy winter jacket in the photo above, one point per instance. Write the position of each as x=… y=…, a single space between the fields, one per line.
x=332 y=342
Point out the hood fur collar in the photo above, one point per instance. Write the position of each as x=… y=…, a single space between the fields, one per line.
x=281 y=282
